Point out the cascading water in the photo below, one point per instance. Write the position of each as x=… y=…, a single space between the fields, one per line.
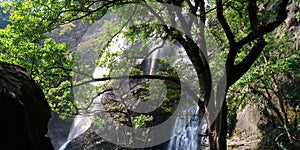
x=80 y=124
x=83 y=121
x=188 y=138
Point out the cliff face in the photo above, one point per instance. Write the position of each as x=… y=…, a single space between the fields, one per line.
x=24 y=111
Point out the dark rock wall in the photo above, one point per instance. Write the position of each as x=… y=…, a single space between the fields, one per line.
x=24 y=111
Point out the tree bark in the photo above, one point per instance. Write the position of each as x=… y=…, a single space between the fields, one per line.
x=217 y=125
x=218 y=131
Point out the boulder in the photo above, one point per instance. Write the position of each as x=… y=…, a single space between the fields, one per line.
x=24 y=111
x=247 y=132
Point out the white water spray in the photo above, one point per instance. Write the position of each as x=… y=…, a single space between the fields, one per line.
x=188 y=138
x=80 y=124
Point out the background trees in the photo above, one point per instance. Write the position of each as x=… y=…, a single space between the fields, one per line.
x=271 y=85
x=240 y=26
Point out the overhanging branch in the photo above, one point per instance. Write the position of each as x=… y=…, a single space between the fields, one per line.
x=166 y=78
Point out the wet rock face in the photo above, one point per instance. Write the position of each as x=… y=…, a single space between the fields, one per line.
x=24 y=111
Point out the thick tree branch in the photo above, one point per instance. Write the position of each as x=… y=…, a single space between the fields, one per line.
x=237 y=71
x=224 y=23
x=183 y=22
x=252 y=11
x=201 y=41
x=193 y=9
x=200 y=63
x=264 y=29
x=166 y=78
x=240 y=69
x=201 y=4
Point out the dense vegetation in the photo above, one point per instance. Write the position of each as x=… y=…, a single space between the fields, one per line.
x=262 y=61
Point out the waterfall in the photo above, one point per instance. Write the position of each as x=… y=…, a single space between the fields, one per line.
x=154 y=56
x=150 y=61
x=189 y=137
x=80 y=124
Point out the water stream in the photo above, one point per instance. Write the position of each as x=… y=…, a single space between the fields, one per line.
x=80 y=124
x=188 y=138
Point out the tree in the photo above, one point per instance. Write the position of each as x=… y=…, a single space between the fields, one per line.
x=47 y=62
x=272 y=82
x=243 y=25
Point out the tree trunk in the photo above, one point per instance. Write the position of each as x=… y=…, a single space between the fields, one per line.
x=216 y=114
x=217 y=131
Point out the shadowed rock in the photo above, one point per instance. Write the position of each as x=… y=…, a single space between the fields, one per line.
x=24 y=111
